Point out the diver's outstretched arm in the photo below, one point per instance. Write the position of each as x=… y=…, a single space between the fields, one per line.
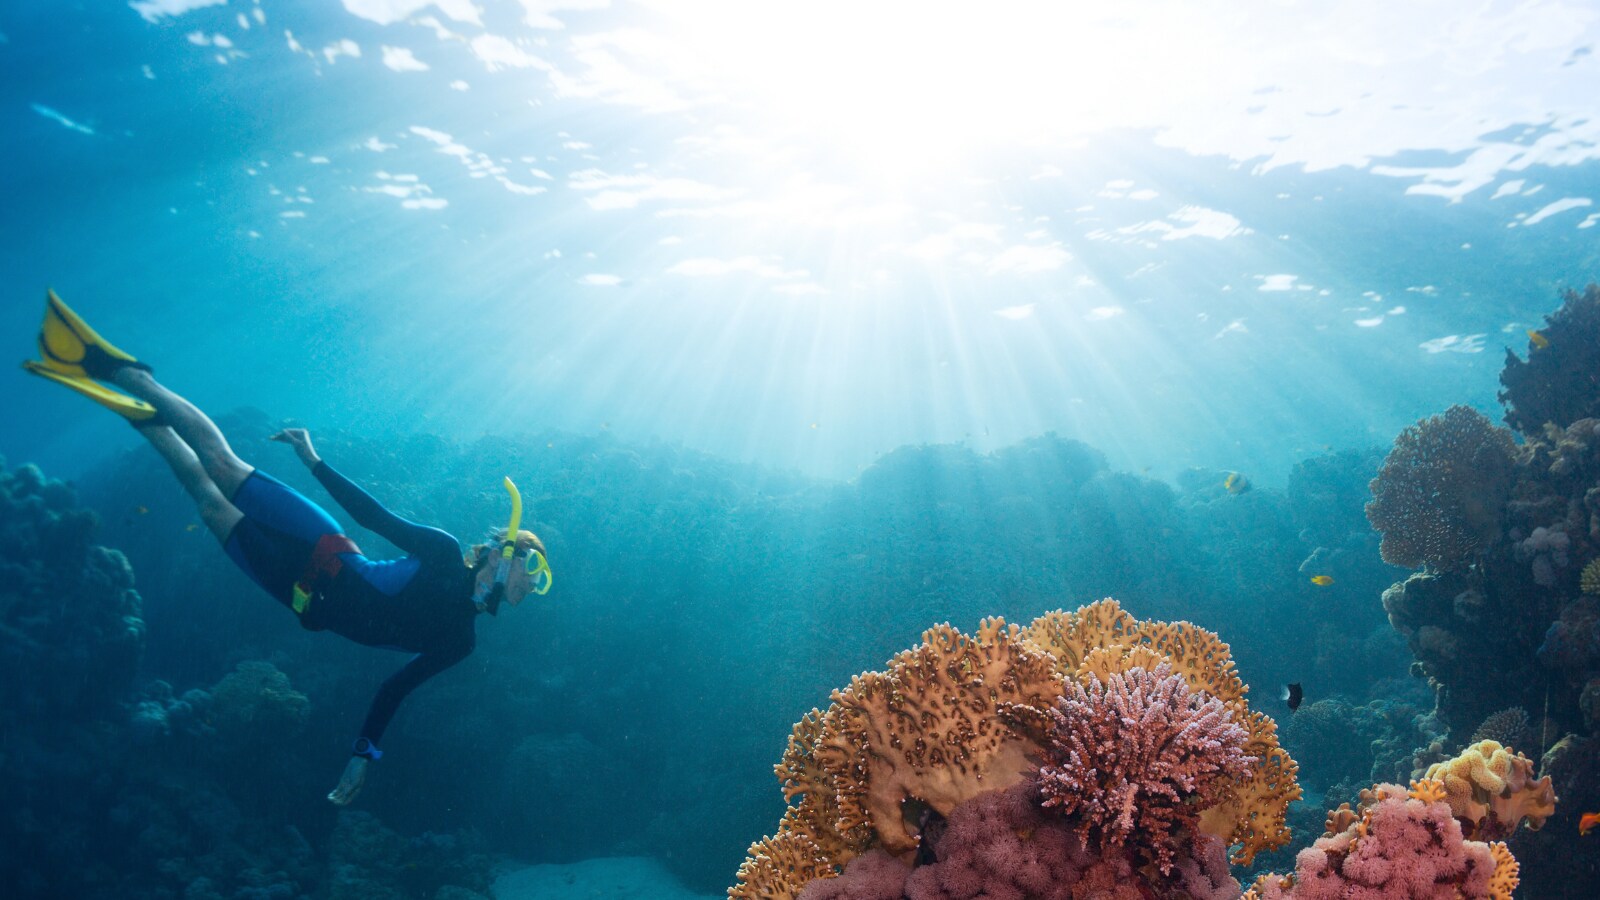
x=226 y=470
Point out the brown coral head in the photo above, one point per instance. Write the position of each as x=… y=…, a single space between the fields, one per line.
x=1440 y=495
x=1508 y=727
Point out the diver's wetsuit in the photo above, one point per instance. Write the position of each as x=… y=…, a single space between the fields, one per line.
x=421 y=602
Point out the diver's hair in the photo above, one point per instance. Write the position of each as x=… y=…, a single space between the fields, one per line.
x=497 y=538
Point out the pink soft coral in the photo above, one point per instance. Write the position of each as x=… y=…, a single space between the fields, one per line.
x=1411 y=850
x=1134 y=760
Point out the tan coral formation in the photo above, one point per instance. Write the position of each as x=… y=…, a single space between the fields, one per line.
x=1491 y=789
x=958 y=715
x=1102 y=639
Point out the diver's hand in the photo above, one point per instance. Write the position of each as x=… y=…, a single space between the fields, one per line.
x=300 y=439
x=355 y=775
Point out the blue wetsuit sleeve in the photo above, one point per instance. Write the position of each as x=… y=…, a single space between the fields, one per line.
x=415 y=539
x=396 y=688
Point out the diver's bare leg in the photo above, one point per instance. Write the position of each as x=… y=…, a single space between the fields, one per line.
x=225 y=470
x=219 y=515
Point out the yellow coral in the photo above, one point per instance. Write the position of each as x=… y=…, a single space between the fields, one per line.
x=778 y=867
x=1428 y=790
x=1339 y=819
x=1492 y=788
x=1506 y=872
x=1070 y=637
x=1589 y=580
x=929 y=727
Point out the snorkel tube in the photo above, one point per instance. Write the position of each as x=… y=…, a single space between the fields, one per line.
x=488 y=598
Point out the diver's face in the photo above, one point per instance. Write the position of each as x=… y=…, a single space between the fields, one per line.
x=518 y=584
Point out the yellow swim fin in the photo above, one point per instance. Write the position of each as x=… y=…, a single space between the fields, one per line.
x=130 y=408
x=68 y=346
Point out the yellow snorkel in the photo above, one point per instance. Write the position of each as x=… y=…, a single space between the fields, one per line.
x=509 y=550
x=489 y=596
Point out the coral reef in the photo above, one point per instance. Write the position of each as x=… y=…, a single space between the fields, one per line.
x=371 y=862
x=1440 y=495
x=1560 y=382
x=931 y=755
x=1515 y=622
x=73 y=632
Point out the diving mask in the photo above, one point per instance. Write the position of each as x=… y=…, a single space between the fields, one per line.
x=538 y=571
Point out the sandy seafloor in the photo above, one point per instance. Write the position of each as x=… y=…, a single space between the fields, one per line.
x=610 y=878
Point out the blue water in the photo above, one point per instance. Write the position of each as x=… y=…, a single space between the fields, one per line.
x=707 y=277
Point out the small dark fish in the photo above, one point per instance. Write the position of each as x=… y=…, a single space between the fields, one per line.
x=1236 y=484
x=1292 y=695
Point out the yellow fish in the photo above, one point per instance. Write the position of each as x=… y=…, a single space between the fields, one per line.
x=1236 y=483
x=191 y=527
x=1539 y=341
x=1322 y=580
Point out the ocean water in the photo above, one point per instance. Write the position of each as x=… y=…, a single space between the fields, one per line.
x=802 y=327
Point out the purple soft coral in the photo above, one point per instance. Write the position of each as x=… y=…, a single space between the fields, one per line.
x=1134 y=760
x=1001 y=846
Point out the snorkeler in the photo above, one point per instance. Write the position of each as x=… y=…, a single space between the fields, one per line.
x=426 y=602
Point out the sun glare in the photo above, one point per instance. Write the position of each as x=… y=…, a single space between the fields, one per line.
x=916 y=87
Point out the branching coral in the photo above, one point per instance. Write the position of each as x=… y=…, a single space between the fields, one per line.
x=1491 y=789
x=1440 y=494
x=1136 y=757
x=1101 y=639
x=1560 y=381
